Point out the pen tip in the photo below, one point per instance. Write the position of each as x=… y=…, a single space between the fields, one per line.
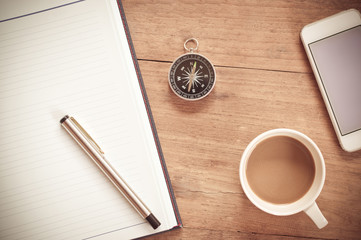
x=64 y=118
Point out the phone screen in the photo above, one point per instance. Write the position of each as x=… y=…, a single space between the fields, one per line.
x=338 y=62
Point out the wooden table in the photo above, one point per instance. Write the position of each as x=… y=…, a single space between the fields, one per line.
x=264 y=81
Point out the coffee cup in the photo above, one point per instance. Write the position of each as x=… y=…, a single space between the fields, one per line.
x=282 y=172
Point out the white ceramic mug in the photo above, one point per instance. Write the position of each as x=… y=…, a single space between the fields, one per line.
x=308 y=202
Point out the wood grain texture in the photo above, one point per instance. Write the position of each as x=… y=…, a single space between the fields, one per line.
x=263 y=82
x=250 y=34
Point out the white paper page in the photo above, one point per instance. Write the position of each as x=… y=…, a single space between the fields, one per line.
x=65 y=61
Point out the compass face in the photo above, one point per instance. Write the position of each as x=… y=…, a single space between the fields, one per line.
x=192 y=76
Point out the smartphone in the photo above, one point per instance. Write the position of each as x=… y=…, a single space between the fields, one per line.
x=333 y=47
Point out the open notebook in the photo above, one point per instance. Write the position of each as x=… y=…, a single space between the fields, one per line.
x=74 y=57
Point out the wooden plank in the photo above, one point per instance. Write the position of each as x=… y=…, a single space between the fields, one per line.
x=251 y=34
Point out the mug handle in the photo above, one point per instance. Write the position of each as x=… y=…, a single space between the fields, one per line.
x=316 y=215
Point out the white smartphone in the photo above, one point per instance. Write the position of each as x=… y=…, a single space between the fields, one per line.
x=333 y=47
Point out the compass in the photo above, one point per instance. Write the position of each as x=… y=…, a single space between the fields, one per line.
x=192 y=76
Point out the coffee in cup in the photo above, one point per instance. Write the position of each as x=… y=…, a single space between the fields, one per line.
x=282 y=172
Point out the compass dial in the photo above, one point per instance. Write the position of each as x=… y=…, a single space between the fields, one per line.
x=192 y=76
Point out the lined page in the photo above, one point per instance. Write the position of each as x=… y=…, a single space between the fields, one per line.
x=66 y=60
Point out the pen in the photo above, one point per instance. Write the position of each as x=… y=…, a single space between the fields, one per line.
x=97 y=155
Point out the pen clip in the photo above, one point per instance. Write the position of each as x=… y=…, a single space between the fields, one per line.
x=87 y=136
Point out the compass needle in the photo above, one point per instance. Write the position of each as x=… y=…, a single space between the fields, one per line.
x=191 y=76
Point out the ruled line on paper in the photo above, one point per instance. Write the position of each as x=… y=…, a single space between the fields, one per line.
x=29 y=108
x=64 y=221
x=69 y=176
x=58 y=217
x=119 y=229
x=9 y=145
x=24 y=64
x=52 y=23
x=38 y=37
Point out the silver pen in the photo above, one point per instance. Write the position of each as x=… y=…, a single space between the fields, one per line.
x=97 y=155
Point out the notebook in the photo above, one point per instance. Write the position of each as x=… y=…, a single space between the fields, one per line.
x=77 y=58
